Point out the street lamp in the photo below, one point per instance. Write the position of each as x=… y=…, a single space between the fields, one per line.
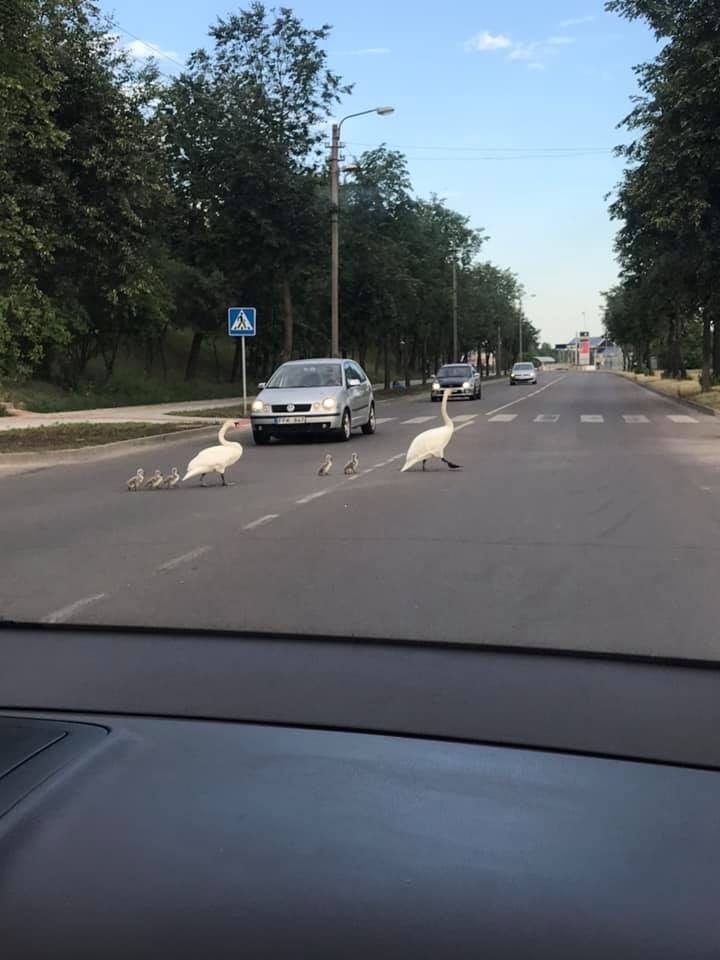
x=334 y=228
x=520 y=319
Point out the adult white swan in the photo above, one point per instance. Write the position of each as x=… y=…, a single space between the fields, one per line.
x=431 y=443
x=216 y=459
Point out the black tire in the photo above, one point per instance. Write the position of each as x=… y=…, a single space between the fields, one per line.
x=345 y=431
x=479 y=394
x=369 y=428
x=261 y=439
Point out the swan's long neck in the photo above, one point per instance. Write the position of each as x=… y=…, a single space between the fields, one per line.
x=221 y=436
x=443 y=411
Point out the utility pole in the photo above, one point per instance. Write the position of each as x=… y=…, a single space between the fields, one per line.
x=454 y=310
x=498 y=361
x=334 y=243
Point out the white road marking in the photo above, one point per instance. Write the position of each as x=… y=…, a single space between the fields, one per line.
x=261 y=521
x=634 y=418
x=463 y=425
x=64 y=613
x=591 y=418
x=547 y=418
x=380 y=420
x=465 y=417
x=526 y=397
x=312 y=496
x=184 y=558
x=398 y=456
x=419 y=420
x=681 y=418
x=504 y=418
x=366 y=470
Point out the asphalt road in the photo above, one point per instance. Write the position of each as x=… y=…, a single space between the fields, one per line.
x=561 y=531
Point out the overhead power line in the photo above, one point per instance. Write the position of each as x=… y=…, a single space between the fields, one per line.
x=151 y=46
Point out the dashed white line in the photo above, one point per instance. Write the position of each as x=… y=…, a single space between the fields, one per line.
x=259 y=522
x=504 y=418
x=463 y=425
x=464 y=417
x=526 y=397
x=634 y=418
x=419 y=420
x=547 y=418
x=681 y=418
x=380 y=420
x=312 y=496
x=398 y=456
x=184 y=558
x=64 y=613
x=591 y=418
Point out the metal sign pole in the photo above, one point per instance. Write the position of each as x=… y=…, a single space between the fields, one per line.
x=242 y=339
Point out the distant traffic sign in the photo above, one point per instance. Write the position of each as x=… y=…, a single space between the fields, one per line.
x=241 y=321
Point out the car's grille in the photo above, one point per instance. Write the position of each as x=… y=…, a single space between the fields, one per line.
x=296 y=407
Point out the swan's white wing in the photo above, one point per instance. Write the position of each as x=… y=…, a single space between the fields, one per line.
x=429 y=443
x=214 y=458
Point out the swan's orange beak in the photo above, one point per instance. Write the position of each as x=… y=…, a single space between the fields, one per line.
x=237 y=424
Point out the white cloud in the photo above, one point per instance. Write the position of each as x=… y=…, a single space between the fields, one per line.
x=523 y=51
x=560 y=41
x=484 y=41
x=369 y=52
x=141 y=50
x=575 y=22
x=536 y=65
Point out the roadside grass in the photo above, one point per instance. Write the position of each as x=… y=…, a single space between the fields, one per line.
x=680 y=389
x=218 y=413
x=69 y=436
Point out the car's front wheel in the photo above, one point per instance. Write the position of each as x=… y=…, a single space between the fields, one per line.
x=345 y=430
x=369 y=427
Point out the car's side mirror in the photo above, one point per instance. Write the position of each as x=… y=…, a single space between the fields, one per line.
x=353 y=383
x=261 y=386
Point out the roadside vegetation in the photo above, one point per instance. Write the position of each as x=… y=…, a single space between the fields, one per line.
x=667 y=204
x=68 y=436
x=166 y=199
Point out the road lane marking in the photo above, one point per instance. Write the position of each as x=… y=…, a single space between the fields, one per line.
x=634 y=418
x=398 y=456
x=591 y=418
x=526 y=397
x=504 y=418
x=312 y=496
x=681 y=418
x=547 y=418
x=64 y=613
x=419 y=420
x=465 y=417
x=261 y=521
x=184 y=558
x=379 y=420
x=463 y=425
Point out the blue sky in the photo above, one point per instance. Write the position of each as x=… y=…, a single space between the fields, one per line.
x=508 y=108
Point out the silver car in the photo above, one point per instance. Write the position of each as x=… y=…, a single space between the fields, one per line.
x=523 y=373
x=323 y=396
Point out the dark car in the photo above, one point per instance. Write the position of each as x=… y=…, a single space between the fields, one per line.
x=462 y=378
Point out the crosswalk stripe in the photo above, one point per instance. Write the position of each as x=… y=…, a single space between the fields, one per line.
x=503 y=418
x=591 y=418
x=547 y=418
x=465 y=417
x=380 y=420
x=681 y=418
x=419 y=420
x=634 y=418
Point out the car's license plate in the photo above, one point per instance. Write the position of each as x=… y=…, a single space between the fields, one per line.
x=281 y=420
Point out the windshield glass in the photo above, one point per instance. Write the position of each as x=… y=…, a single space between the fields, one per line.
x=313 y=375
x=522 y=196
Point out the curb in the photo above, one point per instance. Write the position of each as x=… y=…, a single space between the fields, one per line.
x=683 y=401
x=104 y=451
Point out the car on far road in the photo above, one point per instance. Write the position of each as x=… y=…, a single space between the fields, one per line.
x=523 y=373
x=312 y=397
x=462 y=378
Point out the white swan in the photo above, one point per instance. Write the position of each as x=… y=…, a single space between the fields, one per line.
x=215 y=459
x=432 y=443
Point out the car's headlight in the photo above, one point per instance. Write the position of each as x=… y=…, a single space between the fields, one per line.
x=436 y=385
x=257 y=406
x=466 y=385
x=329 y=403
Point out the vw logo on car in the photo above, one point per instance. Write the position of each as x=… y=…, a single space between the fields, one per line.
x=290 y=407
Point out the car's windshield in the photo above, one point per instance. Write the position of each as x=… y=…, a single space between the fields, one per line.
x=300 y=375
x=465 y=246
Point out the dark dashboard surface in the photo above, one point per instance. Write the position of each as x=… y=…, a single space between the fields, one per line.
x=276 y=797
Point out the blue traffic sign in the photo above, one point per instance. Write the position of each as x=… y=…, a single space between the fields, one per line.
x=241 y=321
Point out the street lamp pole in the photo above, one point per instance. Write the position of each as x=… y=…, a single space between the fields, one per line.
x=520 y=321
x=335 y=227
x=454 y=311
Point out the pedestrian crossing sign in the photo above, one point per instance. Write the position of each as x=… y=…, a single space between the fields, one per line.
x=241 y=321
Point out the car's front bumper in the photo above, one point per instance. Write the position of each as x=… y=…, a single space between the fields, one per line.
x=523 y=379
x=273 y=425
x=454 y=391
